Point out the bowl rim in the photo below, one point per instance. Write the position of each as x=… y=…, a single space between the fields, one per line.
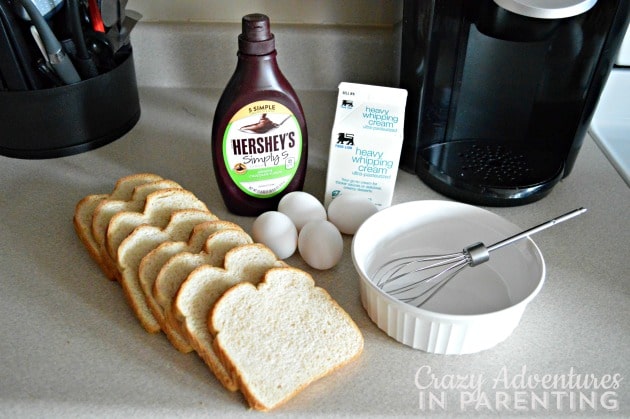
x=453 y=318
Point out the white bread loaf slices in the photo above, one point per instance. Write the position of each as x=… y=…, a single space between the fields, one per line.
x=106 y=210
x=176 y=270
x=138 y=244
x=85 y=208
x=281 y=335
x=82 y=222
x=157 y=210
x=202 y=288
x=133 y=221
x=155 y=260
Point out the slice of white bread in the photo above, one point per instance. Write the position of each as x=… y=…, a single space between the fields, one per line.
x=155 y=260
x=82 y=222
x=281 y=335
x=138 y=244
x=157 y=210
x=176 y=270
x=106 y=210
x=85 y=208
x=202 y=288
x=133 y=224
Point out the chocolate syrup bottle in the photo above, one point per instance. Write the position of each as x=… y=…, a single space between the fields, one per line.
x=259 y=137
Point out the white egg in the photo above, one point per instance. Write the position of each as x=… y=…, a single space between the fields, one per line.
x=348 y=211
x=275 y=230
x=301 y=207
x=320 y=244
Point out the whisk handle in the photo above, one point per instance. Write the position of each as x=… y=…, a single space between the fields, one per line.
x=536 y=229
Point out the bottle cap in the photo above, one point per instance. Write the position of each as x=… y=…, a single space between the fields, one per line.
x=256 y=37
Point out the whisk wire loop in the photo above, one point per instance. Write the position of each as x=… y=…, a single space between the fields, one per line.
x=404 y=266
x=422 y=297
x=415 y=279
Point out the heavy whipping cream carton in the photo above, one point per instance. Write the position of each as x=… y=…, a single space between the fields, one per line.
x=366 y=141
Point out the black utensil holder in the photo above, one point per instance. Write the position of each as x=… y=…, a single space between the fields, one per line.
x=67 y=120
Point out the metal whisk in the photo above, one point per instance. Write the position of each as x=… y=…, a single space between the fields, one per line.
x=404 y=277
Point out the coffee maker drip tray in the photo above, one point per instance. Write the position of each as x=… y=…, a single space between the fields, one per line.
x=490 y=172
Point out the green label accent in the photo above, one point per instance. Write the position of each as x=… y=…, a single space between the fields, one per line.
x=262 y=145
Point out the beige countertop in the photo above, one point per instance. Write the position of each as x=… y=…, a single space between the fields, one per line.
x=70 y=346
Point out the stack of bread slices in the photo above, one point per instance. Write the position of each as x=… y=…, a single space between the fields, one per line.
x=205 y=284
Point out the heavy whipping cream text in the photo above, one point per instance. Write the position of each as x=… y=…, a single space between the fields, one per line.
x=379 y=117
x=366 y=142
x=369 y=161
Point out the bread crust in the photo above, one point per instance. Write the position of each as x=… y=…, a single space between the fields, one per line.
x=82 y=221
x=232 y=365
x=107 y=212
x=122 y=230
x=128 y=199
x=85 y=208
x=181 y=266
x=153 y=263
x=141 y=241
x=200 y=290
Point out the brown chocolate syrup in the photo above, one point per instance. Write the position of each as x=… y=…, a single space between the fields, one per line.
x=259 y=136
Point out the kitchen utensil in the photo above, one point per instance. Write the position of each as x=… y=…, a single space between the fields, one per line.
x=406 y=277
x=122 y=13
x=42 y=64
x=118 y=35
x=113 y=12
x=18 y=54
x=12 y=76
x=95 y=16
x=101 y=50
x=72 y=118
x=83 y=59
x=109 y=12
x=475 y=311
x=59 y=60
x=46 y=7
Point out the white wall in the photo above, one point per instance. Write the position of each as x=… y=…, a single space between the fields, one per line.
x=351 y=12
x=192 y=43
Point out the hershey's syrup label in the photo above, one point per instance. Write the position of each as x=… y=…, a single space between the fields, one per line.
x=262 y=145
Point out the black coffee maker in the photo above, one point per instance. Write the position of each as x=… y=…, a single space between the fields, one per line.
x=501 y=92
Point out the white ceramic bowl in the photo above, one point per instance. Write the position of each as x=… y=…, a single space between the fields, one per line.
x=479 y=307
